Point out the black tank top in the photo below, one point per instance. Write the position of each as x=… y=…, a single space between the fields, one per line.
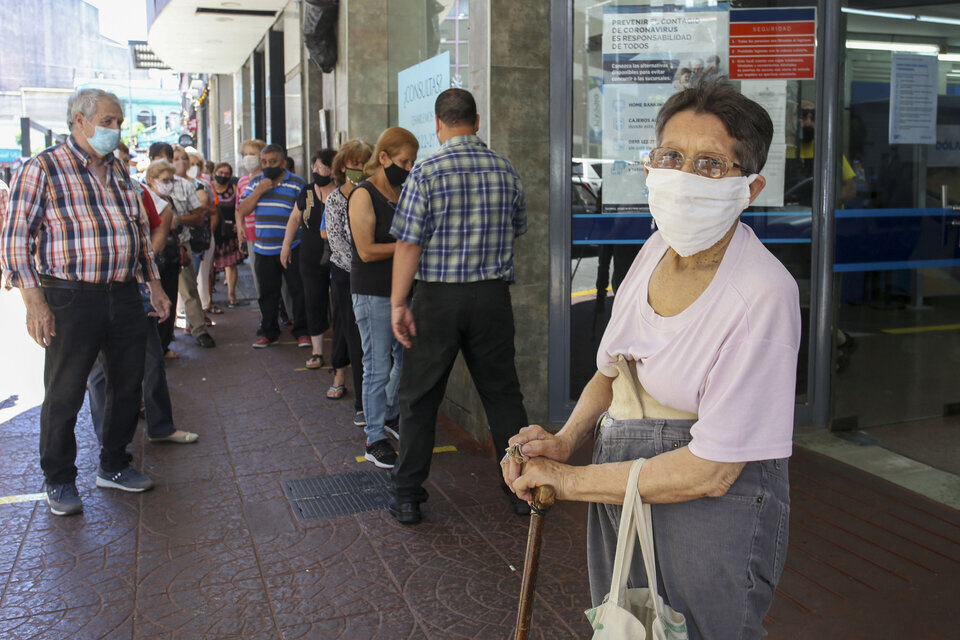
x=373 y=278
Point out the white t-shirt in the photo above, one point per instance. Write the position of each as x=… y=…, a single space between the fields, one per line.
x=730 y=357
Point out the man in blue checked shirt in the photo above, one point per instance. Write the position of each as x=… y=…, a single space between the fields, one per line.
x=270 y=196
x=455 y=225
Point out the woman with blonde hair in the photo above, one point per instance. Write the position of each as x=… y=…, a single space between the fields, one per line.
x=347 y=170
x=371 y=208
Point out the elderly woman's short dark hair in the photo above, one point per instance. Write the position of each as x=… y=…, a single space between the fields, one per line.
x=746 y=121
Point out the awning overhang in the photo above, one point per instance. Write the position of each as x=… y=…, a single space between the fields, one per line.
x=209 y=36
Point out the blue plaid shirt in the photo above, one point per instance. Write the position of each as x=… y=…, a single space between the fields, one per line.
x=463 y=206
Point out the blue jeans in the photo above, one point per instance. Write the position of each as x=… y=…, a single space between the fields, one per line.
x=719 y=559
x=382 y=355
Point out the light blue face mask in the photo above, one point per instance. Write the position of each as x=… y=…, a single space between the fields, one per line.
x=104 y=140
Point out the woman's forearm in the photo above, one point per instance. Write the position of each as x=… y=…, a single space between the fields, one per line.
x=293 y=222
x=674 y=476
x=376 y=251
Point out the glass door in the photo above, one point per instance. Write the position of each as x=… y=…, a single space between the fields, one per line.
x=897 y=252
x=629 y=56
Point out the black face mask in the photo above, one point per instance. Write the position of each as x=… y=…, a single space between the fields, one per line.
x=222 y=179
x=272 y=173
x=396 y=175
x=319 y=180
x=809 y=133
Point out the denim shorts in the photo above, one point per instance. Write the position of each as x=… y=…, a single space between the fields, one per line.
x=718 y=559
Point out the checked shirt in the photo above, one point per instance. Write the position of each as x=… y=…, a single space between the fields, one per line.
x=64 y=223
x=463 y=206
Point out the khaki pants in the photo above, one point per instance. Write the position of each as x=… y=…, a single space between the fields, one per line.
x=191 y=298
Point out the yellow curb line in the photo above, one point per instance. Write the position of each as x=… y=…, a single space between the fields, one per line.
x=446 y=449
x=586 y=292
x=26 y=497
x=939 y=327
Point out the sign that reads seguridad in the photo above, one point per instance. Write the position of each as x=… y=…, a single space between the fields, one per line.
x=417 y=90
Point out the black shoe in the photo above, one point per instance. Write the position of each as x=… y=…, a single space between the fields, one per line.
x=359 y=419
x=206 y=341
x=404 y=512
x=520 y=507
x=381 y=454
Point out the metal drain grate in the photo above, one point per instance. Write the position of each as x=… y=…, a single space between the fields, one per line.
x=338 y=495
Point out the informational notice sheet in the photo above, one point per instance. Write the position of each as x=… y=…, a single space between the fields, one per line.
x=913 y=99
x=417 y=90
x=650 y=53
x=772 y=96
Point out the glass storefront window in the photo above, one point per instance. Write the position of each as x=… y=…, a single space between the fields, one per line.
x=628 y=58
x=897 y=253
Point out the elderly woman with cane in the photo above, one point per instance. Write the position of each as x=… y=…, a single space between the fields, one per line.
x=696 y=374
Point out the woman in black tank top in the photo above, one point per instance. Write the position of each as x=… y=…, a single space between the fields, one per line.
x=370 y=210
x=314 y=255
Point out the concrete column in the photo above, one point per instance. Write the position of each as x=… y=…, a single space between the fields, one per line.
x=509 y=76
x=517 y=98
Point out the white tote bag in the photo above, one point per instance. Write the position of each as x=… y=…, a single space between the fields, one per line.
x=637 y=614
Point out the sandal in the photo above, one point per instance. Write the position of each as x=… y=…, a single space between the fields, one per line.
x=336 y=391
x=170 y=354
x=215 y=310
x=208 y=322
x=315 y=361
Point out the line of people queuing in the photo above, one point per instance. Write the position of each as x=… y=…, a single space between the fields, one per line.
x=121 y=255
x=344 y=244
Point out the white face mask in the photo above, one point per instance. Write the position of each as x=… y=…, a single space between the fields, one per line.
x=250 y=163
x=193 y=172
x=694 y=212
x=163 y=188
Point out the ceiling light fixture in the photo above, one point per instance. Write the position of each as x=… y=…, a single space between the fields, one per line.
x=938 y=20
x=879 y=14
x=903 y=47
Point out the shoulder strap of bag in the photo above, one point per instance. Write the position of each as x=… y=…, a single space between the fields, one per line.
x=626 y=537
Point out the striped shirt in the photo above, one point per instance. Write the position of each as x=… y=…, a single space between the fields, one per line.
x=272 y=212
x=65 y=224
x=463 y=206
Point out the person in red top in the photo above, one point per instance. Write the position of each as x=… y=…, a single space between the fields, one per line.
x=76 y=261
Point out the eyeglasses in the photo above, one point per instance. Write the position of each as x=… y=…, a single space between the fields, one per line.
x=708 y=165
x=812 y=113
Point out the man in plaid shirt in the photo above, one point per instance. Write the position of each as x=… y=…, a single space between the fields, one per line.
x=455 y=225
x=75 y=242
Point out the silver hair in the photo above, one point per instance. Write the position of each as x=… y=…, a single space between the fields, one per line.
x=85 y=101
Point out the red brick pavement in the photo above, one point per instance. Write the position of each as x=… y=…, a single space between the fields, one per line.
x=215 y=552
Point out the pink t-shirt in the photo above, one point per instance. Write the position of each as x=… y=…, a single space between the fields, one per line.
x=249 y=223
x=730 y=357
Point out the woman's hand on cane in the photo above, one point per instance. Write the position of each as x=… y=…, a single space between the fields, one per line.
x=533 y=443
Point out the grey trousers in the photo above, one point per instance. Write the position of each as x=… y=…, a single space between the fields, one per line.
x=718 y=559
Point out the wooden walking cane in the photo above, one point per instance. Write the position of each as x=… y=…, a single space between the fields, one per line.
x=543 y=499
